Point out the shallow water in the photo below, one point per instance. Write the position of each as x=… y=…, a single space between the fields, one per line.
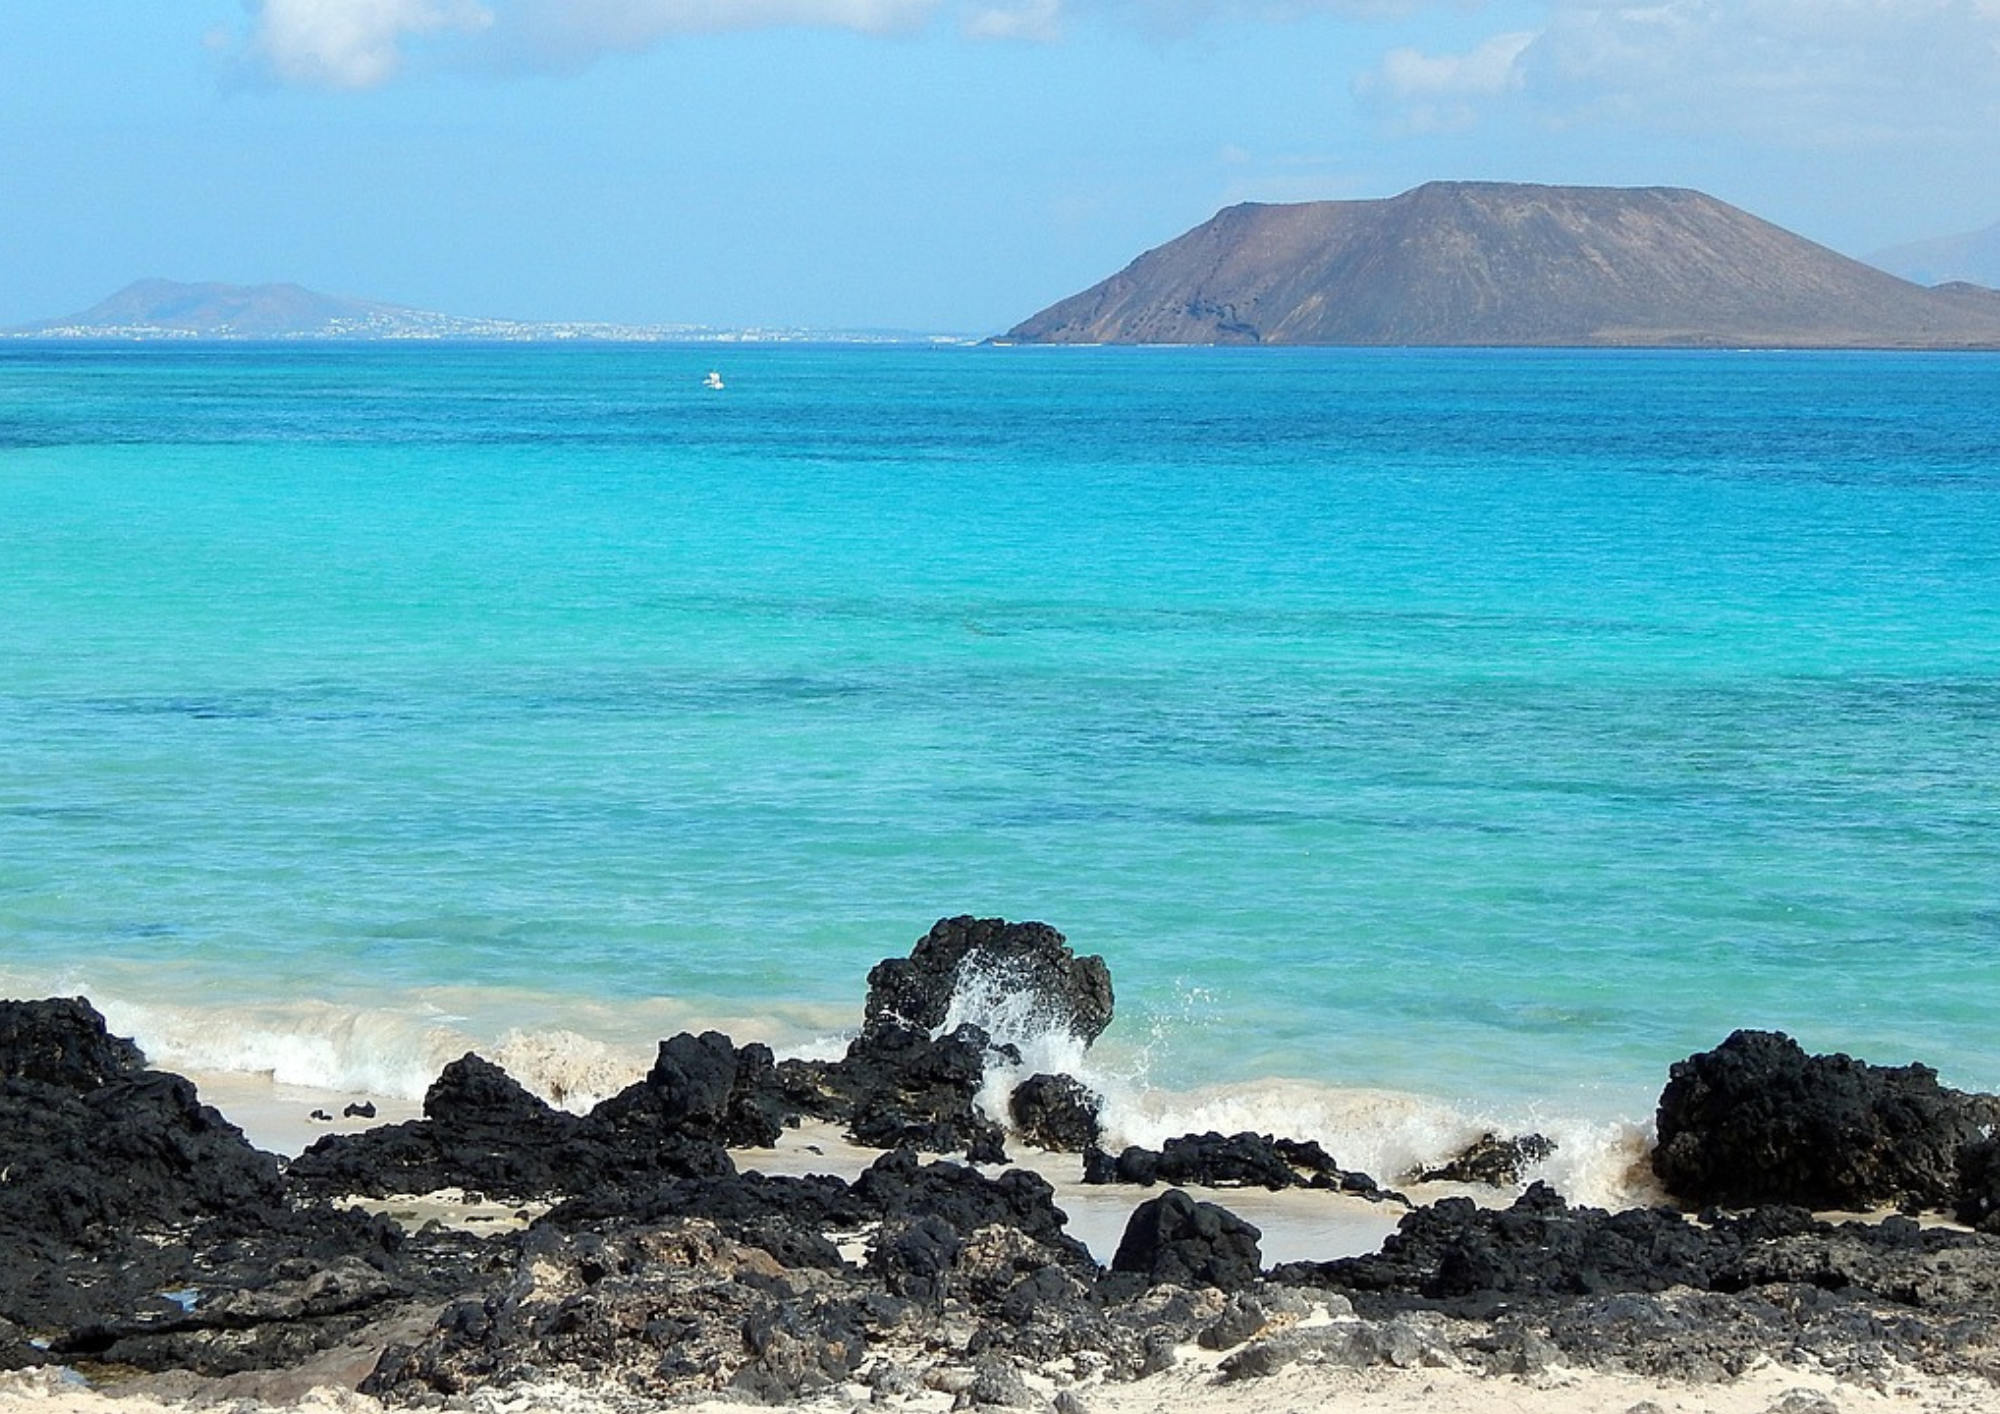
x=1493 y=728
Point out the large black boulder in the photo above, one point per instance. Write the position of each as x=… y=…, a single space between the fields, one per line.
x=1757 y=1120
x=1173 y=1239
x=908 y=1080
x=1029 y=964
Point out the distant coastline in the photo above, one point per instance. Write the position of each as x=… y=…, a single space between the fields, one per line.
x=171 y=311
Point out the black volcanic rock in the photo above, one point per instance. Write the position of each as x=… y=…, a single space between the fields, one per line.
x=63 y=1041
x=96 y=1147
x=140 y=1228
x=906 y=1081
x=1175 y=1239
x=1025 y=964
x=702 y=1087
x=483 y=1131
x=1491 y=1160
x=1757 y=1120
x=1492 y=263
x=480 y=1131
x=140 y=1233
x=1243 y=1160
x=1055 y=1112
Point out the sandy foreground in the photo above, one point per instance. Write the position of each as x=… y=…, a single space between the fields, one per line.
x=1192 y=1387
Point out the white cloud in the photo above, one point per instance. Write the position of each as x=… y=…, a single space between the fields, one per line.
x=350 y=43
x=1812 y=72
x=1037 y=20
x=1438 y=92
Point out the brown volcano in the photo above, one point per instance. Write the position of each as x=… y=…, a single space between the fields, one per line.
x=1493 y=263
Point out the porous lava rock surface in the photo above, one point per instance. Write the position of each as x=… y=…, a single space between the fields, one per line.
x=1758 y=1120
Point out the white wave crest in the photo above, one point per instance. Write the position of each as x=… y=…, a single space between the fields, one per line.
x=568 y=1070
x=312 y=1045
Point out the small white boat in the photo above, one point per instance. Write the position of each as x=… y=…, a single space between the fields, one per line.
x=714 y=380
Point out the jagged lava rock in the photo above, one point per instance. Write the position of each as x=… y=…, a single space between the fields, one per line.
x=481 y=1130
x=899 y=1086
x=96 y=1146
x=701 y=1087
x=120 y=1185
x=1757 y=1120
x=1025 y=965
x=1490 y=1160
x=1055 y=1112
x=1243 y=1160
x=1173 y=1239
x=663 y=1310
x=63 y=1041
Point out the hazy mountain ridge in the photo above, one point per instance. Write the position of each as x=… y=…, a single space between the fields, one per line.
x=1492 y=263
x=169 y=309
x=1973 y=257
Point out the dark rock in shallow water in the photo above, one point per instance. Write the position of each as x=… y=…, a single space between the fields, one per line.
x=1027 y=969
x=903 y=1083
x=1055 y=1112
x=1491 y=1160
x=1174 y=1239
x=1757 y=1120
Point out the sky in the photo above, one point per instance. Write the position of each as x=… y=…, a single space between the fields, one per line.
x=940 y=165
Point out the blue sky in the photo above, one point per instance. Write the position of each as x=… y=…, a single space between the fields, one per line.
x=933 y=164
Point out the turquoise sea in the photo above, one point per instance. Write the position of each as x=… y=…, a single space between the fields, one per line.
x=1491 y=728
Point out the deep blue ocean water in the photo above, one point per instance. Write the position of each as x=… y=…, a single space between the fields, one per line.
x=1496 y=727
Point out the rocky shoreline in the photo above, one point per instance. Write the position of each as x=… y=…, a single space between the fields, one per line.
x=151 y=1246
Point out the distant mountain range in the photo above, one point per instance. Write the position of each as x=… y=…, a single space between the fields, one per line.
x=167 y=309
x=1492 y=263
x=1973 y=258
